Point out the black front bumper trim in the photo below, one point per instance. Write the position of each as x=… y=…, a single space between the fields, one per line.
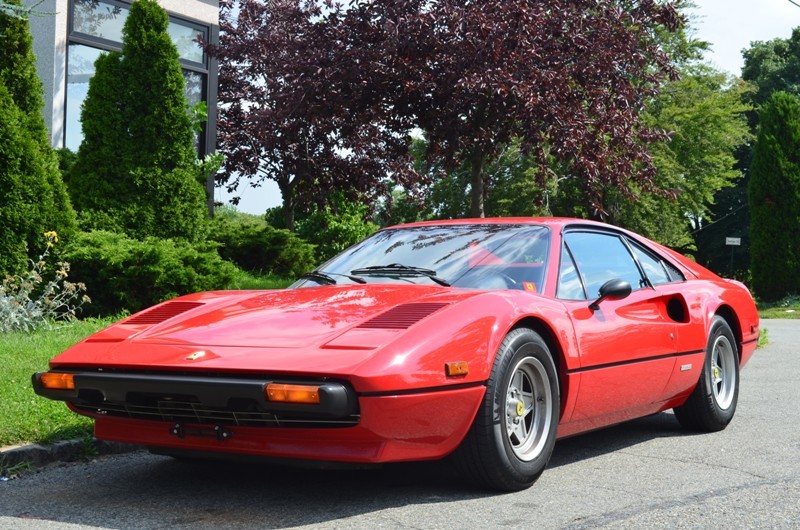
x=337 y=400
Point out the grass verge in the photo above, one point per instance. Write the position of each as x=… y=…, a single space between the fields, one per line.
x=789 y=307
x=24 y=416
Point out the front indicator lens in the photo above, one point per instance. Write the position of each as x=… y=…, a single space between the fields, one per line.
x=58 y=381
x=283 y=393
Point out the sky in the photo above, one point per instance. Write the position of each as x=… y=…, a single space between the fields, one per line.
x=729 y=25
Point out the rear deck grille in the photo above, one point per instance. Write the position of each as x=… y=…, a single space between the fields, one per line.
x=190 y=412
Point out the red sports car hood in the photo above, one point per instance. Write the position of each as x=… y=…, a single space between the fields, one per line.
x=290 y=318
x=343 y=331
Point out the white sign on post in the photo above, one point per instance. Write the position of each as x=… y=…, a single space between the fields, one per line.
x=733 y=241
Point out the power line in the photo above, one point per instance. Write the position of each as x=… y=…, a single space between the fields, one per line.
x=724 y=217
x=795 y=3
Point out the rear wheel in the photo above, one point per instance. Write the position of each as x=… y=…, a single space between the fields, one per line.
x=512 y=438
x=713 y=402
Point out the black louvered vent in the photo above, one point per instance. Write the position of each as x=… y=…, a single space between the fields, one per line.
x=163 y=312
x=402 y=316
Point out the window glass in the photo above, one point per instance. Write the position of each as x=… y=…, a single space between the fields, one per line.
x=602 y=257
x=105 y=21
x=675 y=274
x=569 y=283
x=195 y=82
x=99 y=19
x=653 y=267
x=184 y=38
x=476 y=256
x=79 y=70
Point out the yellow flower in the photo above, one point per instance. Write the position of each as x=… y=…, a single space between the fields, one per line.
x=52 y=237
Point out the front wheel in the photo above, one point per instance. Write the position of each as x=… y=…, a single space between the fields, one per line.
x=512 y=437
x=712 y=404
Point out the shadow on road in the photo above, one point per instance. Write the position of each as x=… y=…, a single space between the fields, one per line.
x=212 y=493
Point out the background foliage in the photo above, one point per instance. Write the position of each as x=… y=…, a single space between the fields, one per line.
x=774 y=193
x=135 y=170
x=252 y=244
x=33 y=198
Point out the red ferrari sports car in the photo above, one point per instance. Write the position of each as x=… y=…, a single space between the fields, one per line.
x=481 y=339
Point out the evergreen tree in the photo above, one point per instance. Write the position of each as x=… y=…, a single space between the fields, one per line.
x=135 y=171
x=774 y=193
x=96 y=182
x=32 y=184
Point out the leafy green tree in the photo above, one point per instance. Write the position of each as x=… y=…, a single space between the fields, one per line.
x=32 y=185
x=773 y=66
x=774 y=193
x=705 y=113
x=768 y=66
x=135 y=171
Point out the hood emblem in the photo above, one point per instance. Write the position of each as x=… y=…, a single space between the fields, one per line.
x=196 y=355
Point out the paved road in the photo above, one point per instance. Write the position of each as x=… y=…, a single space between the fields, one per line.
x=645 y=473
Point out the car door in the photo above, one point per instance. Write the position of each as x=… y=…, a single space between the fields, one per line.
x=626 y=346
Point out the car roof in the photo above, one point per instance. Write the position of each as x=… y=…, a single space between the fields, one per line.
x=554 y=222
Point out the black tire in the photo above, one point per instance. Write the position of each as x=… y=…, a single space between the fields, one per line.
x=512 y=437
x=712 y=404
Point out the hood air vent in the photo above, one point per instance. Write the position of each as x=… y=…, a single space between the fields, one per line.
x=402 y=316
x=163 y=312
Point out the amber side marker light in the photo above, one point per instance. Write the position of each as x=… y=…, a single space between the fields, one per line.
x=284 y=393
x=457 y=368
x=57 y=381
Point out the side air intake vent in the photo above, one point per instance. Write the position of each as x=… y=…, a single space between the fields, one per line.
x=402 y=316
x=163 y=312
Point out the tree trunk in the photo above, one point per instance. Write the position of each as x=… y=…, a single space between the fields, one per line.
x=476 y=209
x=287 y=193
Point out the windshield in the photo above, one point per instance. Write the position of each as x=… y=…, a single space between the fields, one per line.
x=481 y=256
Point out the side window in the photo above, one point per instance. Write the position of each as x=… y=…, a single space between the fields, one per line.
x=675 y=275
x=569 y=283
x=602 y=257
x=653 y=267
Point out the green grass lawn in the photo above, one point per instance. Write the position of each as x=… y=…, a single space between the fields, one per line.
x=24 y=416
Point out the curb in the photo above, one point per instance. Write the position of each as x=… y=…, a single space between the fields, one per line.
x=66 y=451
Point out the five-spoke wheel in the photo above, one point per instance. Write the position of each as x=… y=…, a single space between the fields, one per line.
x=512 y=437
x=712 y=404
x=528 y=408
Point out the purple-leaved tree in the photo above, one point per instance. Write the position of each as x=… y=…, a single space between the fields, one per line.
x=324 y=97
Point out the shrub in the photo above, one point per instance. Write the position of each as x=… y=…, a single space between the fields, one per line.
x=252 y=244
x=330 y=228
x=124 y=273
x=41 y=294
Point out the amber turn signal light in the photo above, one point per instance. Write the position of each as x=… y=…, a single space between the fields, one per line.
x=284 y=393
x=457 y=368
x=58 y=381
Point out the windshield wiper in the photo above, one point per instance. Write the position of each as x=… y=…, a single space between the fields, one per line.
x=327 y=277
x=398 y=269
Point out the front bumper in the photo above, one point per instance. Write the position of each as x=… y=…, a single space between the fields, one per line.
x=200 y=399
x=231 y=415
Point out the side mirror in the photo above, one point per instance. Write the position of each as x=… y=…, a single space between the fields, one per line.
x=613 y=290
